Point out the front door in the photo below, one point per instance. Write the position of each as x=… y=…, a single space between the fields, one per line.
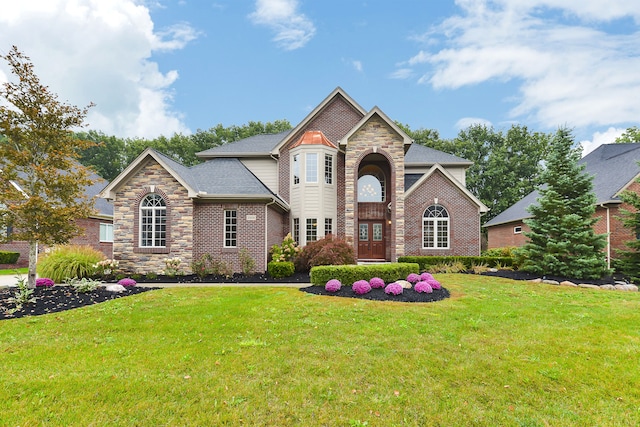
x=371 y=240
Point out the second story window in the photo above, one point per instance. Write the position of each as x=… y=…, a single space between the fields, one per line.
x=311 y=165
x=328 y=169
x=296 y=169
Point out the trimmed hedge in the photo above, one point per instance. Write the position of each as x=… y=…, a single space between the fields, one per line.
x=348 y=274
x=7 y=257
x=280 y=269
x=469 y=261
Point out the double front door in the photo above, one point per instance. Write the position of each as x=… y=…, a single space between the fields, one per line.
x=371 y=240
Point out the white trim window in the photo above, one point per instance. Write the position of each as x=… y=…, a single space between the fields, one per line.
x=312 y=230
x=328 y=226
x=106 y=232
x=230 y=228
x=435 y=228
x=311 y=168
x=517 y=229
x=296 y=168
x=153 y=221
x=296 y=230
x=328 y=169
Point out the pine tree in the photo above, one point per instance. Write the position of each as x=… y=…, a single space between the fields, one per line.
x=562 y=241
x=629 y=260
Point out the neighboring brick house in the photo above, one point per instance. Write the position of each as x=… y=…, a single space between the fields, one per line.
x=97 y=230
x=341 y=171
x=614 y=168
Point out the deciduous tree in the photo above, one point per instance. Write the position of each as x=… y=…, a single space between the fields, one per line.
x=39 y=155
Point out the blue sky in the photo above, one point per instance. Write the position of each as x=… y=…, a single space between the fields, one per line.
x=165 y=66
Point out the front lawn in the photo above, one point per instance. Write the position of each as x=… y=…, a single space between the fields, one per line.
x=14 y=272
x=497 y=352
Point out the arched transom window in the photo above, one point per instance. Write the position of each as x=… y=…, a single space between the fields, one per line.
x=435 y=228
x=371 y=185
x=153 y=221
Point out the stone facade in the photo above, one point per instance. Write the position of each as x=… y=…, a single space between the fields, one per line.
x=464 y=218
x=152 y=178
x=376 y=137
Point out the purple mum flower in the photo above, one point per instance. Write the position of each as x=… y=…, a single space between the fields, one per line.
x=333 y=285
x=44 y=282
x=127 y=282
x=435 y=285
x=413 y=278
x=426 y=276
x=423 y=287
x=376 y=283
x=393 y=288
x=361 y=287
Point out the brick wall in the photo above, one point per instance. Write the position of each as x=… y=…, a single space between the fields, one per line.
x=208 y=236
x=150 y=178
x=502 y=235
x=464 y=218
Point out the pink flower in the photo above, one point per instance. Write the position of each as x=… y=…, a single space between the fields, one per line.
x=127 y=282
x=426 y=276
x=423 y=286
x=393 y=288
x=413 y=278
x=44 y=282
x=376 y=283
x=333 y=285
x=435 y=285
x=361 y=287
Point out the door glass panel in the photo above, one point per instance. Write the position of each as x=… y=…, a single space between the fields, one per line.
x=377 y=232
x=364 y=232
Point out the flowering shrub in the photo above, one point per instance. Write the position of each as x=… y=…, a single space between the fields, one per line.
x=287 y=251
x=333 y=285
x=423 y=286
x=127 y=282
x=394 y=288
x=361 y=287
x=376 y=283
x=172 y=266
x=106 y=267
x=413 y=278
x=426 y=276
x=44 y=282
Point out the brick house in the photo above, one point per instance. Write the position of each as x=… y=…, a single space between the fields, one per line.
x=342 y=170
x=97 y=230
x=614 y=168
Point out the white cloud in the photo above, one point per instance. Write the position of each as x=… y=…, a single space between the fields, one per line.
x=402 y=74
x=568 y=68
x=357 y=65
x=465 y=122
x=607 y=137
x=293 y=29
x=98 y=51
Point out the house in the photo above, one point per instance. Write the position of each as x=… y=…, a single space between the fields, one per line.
x=614 y=168
x=343 y=171
x=97 y=230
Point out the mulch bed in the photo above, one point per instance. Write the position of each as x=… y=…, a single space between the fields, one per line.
x=59 y=298
x=408 y=295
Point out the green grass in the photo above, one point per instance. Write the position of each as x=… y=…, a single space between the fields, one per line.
x=498 y=352
x=14 y=271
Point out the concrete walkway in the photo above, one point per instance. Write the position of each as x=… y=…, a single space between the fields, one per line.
x=10 y=280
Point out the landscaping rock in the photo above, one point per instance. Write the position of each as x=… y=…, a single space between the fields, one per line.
x=567 y=283
x=588 y=285
x=536 y=280
x=628 y=288
x=404 y=284
x=115 y=288
x=608 y=287
x=550 y=282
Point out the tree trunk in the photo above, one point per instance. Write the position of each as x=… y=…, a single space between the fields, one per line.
x=33 y=260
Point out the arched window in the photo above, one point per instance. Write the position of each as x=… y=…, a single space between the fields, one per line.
x=435 y=228
x=371 y=185
x=153 y=221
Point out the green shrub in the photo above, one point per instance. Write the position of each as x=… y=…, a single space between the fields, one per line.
x=68 y=262
x=506 y=251
x=326 y=251
x=348 y=274
x=247 y=263
x=7 y=257
x=280 y=269
x=83 y=285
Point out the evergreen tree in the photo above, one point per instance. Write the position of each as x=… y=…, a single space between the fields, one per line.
x=562 y=241
x=630 y=260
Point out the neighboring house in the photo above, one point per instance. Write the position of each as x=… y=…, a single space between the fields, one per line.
x=343 y=171
x=97 y=230
x=614 y=168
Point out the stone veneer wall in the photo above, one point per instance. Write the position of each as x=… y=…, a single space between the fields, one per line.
x=464 y=218
x=151 y=177
x=376 y=136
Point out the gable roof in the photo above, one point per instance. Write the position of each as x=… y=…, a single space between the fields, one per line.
x=375 y=111
x=420 y=155
x=613 y=166
x=218 y=178
x=253 y=146
x=437 y=167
